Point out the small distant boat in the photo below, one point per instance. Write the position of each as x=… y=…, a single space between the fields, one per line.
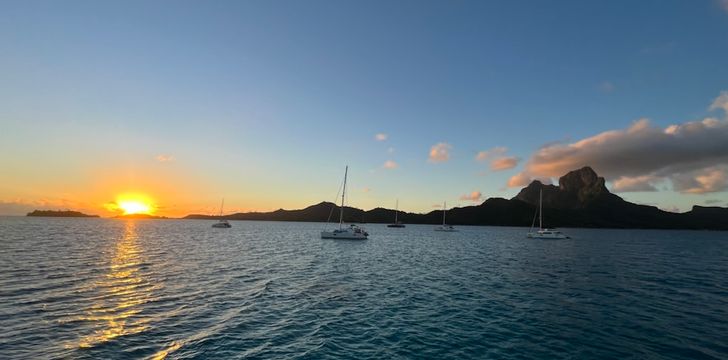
x=222 y=223
x=352 y=232
x=543 y=233
x=397 y=224
x=445 y=227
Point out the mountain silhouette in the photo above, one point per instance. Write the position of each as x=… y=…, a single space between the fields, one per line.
x=581 y=199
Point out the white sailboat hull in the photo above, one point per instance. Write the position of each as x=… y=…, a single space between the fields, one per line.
x=344 y=234
x=546 y=234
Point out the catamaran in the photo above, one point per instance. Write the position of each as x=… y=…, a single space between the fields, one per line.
x=397 y=224
x=445 y=227
x=543 y=233
x=352 y=232
x=222 y=223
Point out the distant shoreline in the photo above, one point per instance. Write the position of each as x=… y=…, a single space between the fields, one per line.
x=60 y=213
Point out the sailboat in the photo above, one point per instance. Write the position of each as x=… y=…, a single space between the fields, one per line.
x=543 y=233
x=444 y=226
x=222 y=223
x=352 y=232
x=397 y=224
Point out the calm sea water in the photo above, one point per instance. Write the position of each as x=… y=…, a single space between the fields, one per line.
x=95 y=288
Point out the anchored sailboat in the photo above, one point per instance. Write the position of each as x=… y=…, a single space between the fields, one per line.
x=222 y=223
x=445 y=227
x=397 y=223
x=543 y=233
x=352 y=232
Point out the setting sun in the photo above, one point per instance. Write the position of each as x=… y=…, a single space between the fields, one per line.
x=134 y=207
x=129 y=204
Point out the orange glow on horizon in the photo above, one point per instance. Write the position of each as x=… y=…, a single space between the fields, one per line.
x=129 y=204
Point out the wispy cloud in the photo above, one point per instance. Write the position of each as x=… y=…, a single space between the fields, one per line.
x=366 y=189
x=440 y=152
x=486 y=155
x=721 y=102
x=164 y=158
x=607 y=87
x=723 y=4
x=381 y=137
x=21 y=206
x=390 y=150
x=473 y=196
x=693 y=156
x=390 y=164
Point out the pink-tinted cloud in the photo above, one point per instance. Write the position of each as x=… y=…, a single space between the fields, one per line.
x=486 y=155
x=440 y=152
x=164 y=158
x=723 y=4
x=381 y=137
x=498 y=159
x=643 y=155
x=504 y=163
x=635 y=184
x=473 y=196
x=713 y=179
x=390 y=164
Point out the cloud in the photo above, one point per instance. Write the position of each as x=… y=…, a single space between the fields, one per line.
x=712 y=201
x=440 y=152
x=164 y=158
x=473 y=196
x=606 y=87
x=498 y=160
x=522 y=179
x=723 y=4
x=381 y=137
x=366 y=189
x=504 y=163
x=634 y=184
x=713 y=179
x=489 y=154
x=721 y=102
x=23 y=206
x=390 y=150
x=693 y=155
x=672 y=209
x=390 y=164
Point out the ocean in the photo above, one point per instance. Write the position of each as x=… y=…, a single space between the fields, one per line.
x=179 y=289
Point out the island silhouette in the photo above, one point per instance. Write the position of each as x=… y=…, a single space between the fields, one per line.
x=580 y=199
x=59 y=213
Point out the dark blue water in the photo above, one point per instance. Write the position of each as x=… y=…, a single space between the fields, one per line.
x=93 y=288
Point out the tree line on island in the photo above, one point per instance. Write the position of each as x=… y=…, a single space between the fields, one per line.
x=580 y=199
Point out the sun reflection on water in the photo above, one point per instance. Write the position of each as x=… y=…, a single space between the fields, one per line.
x=123 y=292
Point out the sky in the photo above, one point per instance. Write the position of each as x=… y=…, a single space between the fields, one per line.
x=263 y=103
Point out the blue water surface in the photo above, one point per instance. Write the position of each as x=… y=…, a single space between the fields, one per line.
x=104 y=288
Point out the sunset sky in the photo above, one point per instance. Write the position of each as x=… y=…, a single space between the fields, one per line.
x=265 y=102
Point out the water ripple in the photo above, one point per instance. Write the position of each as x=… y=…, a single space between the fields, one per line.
x=95 y=288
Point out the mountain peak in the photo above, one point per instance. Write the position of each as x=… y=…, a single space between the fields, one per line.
x=577 y=189
x=584 y=183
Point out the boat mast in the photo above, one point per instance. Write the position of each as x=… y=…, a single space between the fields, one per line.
x=343 y=193
x=396 y=211
x=540 y=208
x=444 y=207
x=221 y=205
